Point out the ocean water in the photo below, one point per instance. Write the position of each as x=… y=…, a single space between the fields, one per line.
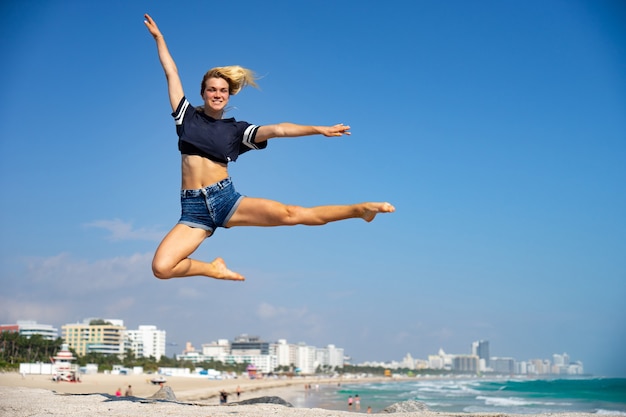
x=519 y=396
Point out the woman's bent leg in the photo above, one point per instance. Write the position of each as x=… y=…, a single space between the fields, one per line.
x=171 y=259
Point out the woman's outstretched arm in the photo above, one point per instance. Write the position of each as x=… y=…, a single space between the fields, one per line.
x=174 y=85
x=291 y=130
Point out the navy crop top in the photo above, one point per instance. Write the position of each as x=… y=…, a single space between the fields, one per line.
x=220 y=140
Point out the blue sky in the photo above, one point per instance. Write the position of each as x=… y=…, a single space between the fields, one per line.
x=496 y=128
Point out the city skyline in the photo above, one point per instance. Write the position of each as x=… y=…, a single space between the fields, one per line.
x=128 y=338
x=495 y=128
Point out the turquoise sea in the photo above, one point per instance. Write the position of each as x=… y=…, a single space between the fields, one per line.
x=519 y=396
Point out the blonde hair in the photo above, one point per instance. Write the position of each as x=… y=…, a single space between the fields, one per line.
x=236 y=76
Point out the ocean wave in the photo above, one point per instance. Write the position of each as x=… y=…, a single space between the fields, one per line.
x=516 y=401
x=505 y=395
x=610 y=412
x=448 y=389
x=504 y=402
x=476 y=409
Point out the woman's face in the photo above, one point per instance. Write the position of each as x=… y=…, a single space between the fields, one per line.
x=216 y=94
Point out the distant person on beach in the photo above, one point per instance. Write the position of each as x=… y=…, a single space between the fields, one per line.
x=357 y=403
x=129 y=391
x=223 y=397
x=350 y=400
x=118 y=393
x=238 y=392
x=208 y=142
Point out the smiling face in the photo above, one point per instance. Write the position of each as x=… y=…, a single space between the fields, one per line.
x=215 y=96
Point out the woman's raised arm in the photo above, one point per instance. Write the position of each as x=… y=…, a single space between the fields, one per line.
x=174 y=85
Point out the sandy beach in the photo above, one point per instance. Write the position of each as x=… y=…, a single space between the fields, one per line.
x=185 y=388
x=38 y=395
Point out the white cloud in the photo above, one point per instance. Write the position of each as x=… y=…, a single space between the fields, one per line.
x=402 y=337
x=442 y=334
x=190 y=293
x=12 y=310
x=121 y=230
x=279 y=321
x=62 y=288
x=267 y=311
x=120 y=306
x=62 y=273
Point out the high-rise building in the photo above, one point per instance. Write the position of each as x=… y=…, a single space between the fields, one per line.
x=408 y=362
x=285 y=352
x=147 y=341
x=305 y=358
x=216 y=350
x=97 y=336
x=30 y=328
x=481 y=349
x=330 y=357
x=503 y=365
x=465 y=363
x=249 y=345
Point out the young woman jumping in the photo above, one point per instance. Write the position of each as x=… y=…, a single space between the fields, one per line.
x=208 y=142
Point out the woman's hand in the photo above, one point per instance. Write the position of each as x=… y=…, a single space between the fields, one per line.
x=336 y=130
x=152 y=26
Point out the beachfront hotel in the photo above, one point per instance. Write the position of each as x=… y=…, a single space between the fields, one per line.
x=30 y=328
x=147 y=341
x=110 y=337
x=96 y=336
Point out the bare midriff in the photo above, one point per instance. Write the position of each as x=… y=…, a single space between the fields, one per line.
x=199 y=172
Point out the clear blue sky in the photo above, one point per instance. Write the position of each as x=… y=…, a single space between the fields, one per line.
x=496 y=128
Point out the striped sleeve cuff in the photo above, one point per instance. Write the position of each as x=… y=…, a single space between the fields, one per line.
x=179 y=114
x=248 y=137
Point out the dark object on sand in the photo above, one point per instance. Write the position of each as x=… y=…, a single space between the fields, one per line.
x=264 y=400
x=165 y=393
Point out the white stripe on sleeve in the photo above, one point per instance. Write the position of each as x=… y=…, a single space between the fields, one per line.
x=178 y=118
x=248 y=136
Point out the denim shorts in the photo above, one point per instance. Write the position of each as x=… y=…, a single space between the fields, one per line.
x=211 y=207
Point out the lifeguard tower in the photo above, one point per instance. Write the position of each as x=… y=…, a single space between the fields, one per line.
x=62 y=367
x=252 y=371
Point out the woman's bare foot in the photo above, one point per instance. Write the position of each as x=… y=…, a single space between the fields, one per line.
x=372 y=209
x=222 y=272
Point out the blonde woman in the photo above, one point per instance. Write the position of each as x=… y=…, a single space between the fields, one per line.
x=208 y=142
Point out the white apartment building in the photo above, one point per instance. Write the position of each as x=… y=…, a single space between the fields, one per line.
x=305 y=358
x=440 y=361
x=147 y=341
x=285 y=353
x=335 y=356
x=217 y=350
x=30 y=328
x=263 y=363
x=408 y=362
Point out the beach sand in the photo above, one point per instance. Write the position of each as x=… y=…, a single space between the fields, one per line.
x=38 y=395
x=185 y=388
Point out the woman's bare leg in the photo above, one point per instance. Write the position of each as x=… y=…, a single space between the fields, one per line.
x=171 y=259
x=262 y=212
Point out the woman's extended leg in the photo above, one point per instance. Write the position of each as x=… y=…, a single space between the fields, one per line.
x=263 y=212
x=171 y=259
